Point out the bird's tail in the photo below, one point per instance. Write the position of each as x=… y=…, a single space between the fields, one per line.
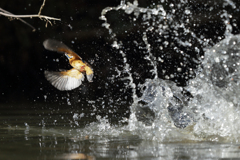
x=89 y=73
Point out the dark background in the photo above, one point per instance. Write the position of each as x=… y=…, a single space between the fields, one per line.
x=23 y=58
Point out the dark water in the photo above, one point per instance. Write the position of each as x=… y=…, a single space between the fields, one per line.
x=25 y=135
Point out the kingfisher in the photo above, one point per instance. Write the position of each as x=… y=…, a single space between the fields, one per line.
x=67 y=79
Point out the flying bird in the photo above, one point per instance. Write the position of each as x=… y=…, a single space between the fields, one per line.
x=68 y=79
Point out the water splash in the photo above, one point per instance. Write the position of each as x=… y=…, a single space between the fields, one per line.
x=207 y=108
x=216 y=91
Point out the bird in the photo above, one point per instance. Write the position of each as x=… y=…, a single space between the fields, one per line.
x=65 y=80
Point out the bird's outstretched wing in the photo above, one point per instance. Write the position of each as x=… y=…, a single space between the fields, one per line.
x=65 y=80
x=57 y=46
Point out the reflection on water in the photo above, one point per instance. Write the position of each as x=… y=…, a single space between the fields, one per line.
x=21 y=138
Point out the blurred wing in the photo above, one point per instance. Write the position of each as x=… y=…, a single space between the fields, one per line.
x=89 y=73
x=65 y=80
x=57 y=46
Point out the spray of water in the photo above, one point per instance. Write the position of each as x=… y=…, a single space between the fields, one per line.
x=184 y=82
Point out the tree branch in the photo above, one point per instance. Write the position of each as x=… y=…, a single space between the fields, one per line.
x=34 y=29
x=46 y=18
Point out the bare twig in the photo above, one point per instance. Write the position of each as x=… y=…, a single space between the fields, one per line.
x=29 y=16
x=4 y=11
x=46 y=18
x=40 y=10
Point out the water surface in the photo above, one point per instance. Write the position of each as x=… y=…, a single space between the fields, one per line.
x=23 y=136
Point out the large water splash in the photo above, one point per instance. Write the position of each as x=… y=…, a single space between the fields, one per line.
x=167 y=36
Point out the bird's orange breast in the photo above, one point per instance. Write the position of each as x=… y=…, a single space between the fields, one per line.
x=72 y=73
x=78 y=64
